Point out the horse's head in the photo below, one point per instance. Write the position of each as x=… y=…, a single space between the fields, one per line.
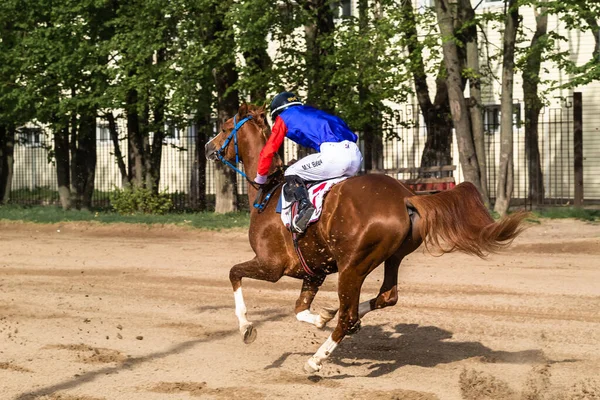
x=239 y=135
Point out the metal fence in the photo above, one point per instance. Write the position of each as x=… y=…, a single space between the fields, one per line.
x=34 y=179
x=556 y=146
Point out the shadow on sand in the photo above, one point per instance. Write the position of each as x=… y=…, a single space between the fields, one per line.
x=425 y=346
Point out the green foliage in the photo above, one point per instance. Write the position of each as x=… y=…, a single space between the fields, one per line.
x=136 y=200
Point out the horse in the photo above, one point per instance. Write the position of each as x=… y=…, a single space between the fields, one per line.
x=367 y=220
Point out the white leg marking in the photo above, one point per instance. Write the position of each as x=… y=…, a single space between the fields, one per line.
x=240 y=307
x=315 y=362
x=313 y=319
x=364 y=308
x=307 y=316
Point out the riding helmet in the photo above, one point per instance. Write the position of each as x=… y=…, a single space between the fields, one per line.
x=282 y=101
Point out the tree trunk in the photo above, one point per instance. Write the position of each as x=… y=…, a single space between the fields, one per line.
x=75 y=179
x=533 y=106
x=198 y=176
x=458 y=106
x=227 y=106
x=204 y=130
x=134 y=138
x=154 y=155
x=437 y=118
x=436 y=115
x=114 y=136
x=318 y=49
x=84 y=165
x=2 y=160
x=469 y=37
x=146 y=149
x=7 y=145
x=371 y=132
x=157 y=144
x=595 y=28
x=63 y=176
x=320 y=91
x=505 y=169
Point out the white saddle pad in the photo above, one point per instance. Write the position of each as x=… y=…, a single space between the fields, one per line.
x=316 y=194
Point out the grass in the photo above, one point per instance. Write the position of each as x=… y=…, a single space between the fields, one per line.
x=208 y=220
x=51 y=214
x=568 y=212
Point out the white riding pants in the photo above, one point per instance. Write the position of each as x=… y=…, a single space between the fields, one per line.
x=334 y=160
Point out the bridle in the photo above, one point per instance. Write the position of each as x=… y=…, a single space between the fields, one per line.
x=221 y=151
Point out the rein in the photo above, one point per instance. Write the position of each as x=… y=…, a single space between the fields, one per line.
x=233 y=134
x=260 y=205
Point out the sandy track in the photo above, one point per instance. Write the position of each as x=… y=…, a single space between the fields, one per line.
x=128 y=312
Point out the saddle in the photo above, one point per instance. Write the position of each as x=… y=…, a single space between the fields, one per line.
x=288 y=210
x=316 y=194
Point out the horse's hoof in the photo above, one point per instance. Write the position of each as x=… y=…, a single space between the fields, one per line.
x=320 y=322
x=311 y=367
x=249 y=333
x=327 y=314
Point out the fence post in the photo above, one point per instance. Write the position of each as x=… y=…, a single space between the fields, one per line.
x=578 y=147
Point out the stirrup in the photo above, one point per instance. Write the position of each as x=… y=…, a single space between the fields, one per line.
x=300 y=221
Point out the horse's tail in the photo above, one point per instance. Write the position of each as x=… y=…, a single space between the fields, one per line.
x=457 y=220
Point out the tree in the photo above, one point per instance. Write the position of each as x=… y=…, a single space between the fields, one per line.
x=254 y=20
x=468 y=35
x=144 y=72
x=225 y=76
x=319 y=29
x=533 y=102
x=446 y=13
x=14 y=106
x=436 y=113
x=505 y=169
x=579 y=15
x=369 y=69
x=63 y=64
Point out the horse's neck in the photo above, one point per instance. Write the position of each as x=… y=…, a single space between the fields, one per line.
x=251 y=157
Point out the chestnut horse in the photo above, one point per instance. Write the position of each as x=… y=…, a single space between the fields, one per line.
x=366 y=221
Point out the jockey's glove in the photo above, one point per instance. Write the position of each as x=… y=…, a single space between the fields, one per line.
x=260 y=179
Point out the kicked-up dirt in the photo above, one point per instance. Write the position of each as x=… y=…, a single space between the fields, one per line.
x=91 y=312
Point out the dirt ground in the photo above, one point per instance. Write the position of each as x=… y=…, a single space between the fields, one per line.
x=131 y=312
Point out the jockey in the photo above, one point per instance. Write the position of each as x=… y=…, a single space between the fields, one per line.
x=338 y=155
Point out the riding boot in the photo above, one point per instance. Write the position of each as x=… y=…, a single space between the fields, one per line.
x=296 y=191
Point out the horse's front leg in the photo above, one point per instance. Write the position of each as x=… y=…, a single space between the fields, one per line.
x=310 y=287
x=249 y=269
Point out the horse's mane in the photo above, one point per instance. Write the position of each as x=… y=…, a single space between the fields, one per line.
x=258 y=116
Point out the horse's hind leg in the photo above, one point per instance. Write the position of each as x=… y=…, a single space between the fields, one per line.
x=310 y=287
x=249 y=269
x=388 y=294
x=349 y=285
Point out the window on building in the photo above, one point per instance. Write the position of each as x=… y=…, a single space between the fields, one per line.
x=342 y=8
x=172 y=133
x=493 y=2
x=31 y=136
x=492 y=118
x=102 y=133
